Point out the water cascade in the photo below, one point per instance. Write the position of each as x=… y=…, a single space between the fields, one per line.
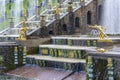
x=18 y=10
x=31 y=7
x=111 y=16
x=2 y=13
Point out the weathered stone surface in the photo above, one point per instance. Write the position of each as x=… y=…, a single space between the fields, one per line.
x=37 y=73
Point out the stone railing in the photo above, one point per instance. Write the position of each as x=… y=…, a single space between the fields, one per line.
x=50 y=17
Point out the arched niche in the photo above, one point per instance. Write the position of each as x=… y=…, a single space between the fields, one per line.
x=99 y=13
x=77 y=22
x=51 y=32
x=64 y=27
x=89 y=17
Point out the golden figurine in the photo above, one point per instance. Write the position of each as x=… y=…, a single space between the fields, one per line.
x=60 y=54
x=25 y=49
x=44 y=51
x=89 y=60
x=110 y=62
x=71 y=54
x=15 y=49
x=101 y=50
x=23 y=31
x=57 y=9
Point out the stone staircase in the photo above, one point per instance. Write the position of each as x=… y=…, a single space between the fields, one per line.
x=60 y=55
x=34 y=24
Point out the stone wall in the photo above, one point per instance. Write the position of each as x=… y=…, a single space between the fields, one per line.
x=7 y=52
x=83 y=13
x=100 y=63
x=33 y=44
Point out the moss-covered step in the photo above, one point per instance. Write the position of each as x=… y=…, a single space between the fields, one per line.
x=65 y=51
x=60 y=63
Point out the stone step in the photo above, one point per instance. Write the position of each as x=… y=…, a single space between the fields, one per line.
x=59 y=63
x=78 y=52
x=66 y=47
x=74 y=41
x=80 y=40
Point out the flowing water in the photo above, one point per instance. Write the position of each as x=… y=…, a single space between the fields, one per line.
x=2 y=12
x=31 y=8
x=18 y=10
x=111 y=16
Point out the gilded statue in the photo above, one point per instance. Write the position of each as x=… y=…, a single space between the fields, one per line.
x=23 y=32
x=110 y=62
x=101 y=30
x=25 y=48
x=89 y=60
x=102 y=39
x=57 y=9
x=15 y=49
x=24 y=29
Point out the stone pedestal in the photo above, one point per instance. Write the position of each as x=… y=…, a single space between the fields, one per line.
x=105 y=65
x=11 y=23
x=57 y=16
x=38 y=12
x=58 y=27
x=43 y=30
x=71 y=19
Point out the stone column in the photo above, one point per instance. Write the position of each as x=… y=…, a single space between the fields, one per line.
x=11 y=23
x=58 y=27
x=37 y=12
x=83 y=16
x=71 y=19
x=43 y=30
x=95 y=11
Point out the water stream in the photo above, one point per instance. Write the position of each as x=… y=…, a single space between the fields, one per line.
x=111 y=16
x=31 y=8
x=18 y=10
x=2 y=12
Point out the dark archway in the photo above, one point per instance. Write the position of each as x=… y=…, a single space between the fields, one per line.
x=99 y=13
x=89 y=17
x=51 y=32
x=64 y=28
x=77 y=22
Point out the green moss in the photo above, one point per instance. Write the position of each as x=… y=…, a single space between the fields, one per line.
x=9 y=61
x=25 y=6
x=90 y=35
x=32 y=50
x=20 y=57
x=39 y=2
x=54 y=2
